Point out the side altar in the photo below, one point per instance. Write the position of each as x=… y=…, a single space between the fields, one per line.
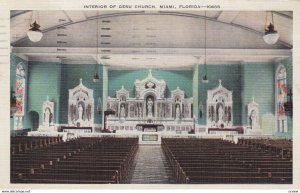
x=150 y=105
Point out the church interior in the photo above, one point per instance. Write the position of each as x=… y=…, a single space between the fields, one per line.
x=151 y=97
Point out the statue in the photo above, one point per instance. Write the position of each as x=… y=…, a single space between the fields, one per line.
x=80 y=112
x=122 y=111
x=177 y=114
x=149 y=106
x=47 y=115
x=253 y=120
x=220 y=115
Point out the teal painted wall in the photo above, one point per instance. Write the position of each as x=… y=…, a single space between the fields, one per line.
x=258 y=82
x=55 y=80
x=14 y=61
x=44 y=80
x=71 y=73
x=117 y=78
x=231 y=79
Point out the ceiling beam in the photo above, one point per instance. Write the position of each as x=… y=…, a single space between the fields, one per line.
x=75 y=16
x=228 y=16
x=163 y=57
x=150 y=51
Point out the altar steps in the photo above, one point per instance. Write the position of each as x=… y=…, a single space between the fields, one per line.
x=151 y=167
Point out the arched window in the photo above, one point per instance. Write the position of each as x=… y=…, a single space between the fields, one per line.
x=280 y=99
x=20 y=95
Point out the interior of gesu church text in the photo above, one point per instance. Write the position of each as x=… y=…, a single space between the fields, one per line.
x=141 y=97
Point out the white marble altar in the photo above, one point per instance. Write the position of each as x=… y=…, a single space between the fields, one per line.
x=150 y=105
x=81 y=106
x=48 y=117
x=219 y=107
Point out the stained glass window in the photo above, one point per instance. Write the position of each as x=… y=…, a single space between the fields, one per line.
x=20 y=95
x=20 y=90
x=281 y=98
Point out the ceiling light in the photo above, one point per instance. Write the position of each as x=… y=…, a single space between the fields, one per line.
x=271 y=35
x=96 y=77
x=34 y=33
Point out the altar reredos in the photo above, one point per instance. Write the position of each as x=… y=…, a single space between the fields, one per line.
x=150 y=85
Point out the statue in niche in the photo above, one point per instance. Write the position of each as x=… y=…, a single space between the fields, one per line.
x=80 y=113
x=47 y=117
x=150 y=107
x=122 y=111
x=253 y=120
x=220 y=115
x=177 y=113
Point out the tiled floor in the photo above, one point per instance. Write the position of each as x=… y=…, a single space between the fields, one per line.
x=151 y=167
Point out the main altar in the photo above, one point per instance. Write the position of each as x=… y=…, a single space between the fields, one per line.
x=150 y=106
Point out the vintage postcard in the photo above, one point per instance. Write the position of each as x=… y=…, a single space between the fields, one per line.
x=137 y=94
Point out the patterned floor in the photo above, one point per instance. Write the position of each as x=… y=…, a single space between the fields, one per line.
x=150 y=167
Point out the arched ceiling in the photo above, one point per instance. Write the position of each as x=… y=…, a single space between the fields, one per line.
x=128 y=39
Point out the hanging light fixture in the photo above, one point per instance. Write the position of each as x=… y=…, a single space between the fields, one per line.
x=96 y=75
x=205 y=78
x=34 y=33
x=271 y=35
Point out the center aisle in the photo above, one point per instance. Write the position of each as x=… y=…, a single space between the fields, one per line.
x=151 y=167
